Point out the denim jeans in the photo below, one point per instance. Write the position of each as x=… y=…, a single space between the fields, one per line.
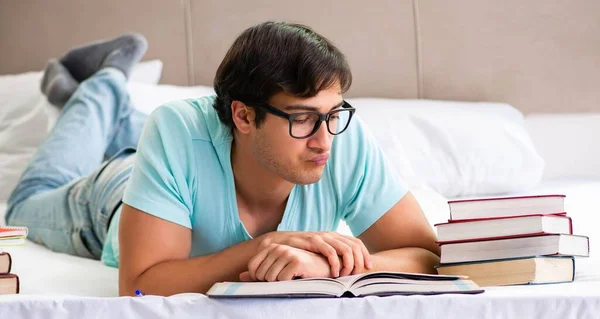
x=59 y=195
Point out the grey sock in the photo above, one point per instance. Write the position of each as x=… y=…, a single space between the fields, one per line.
x=57 y=83
x=122 y=53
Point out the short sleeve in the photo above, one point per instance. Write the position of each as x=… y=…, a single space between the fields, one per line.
x=161 y=177
x=371 y=185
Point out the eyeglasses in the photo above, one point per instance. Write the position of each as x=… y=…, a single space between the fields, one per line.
x=306 y=124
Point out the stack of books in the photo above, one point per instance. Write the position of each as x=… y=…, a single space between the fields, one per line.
x=9 y=236
x=510 y=241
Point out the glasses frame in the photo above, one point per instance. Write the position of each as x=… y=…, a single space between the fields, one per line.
x=322 y=117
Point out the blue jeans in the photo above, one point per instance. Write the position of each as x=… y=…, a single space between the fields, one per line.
x=58 y=196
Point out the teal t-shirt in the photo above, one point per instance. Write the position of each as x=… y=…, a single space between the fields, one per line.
x=182 y=173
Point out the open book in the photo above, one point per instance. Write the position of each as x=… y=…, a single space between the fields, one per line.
x=377 y=283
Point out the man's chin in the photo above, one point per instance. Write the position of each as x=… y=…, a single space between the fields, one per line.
x=307 y=177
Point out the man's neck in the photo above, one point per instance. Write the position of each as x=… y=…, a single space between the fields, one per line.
x=259 y=189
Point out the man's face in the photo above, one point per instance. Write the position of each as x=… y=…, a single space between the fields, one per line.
x=299 y=161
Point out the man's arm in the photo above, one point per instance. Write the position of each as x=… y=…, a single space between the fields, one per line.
x=402 y=240
x=154 y=257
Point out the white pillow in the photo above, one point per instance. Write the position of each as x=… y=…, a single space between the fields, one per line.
x=147 y=72
x=456 y=148
x=434 y=205
x=567 y=142
x=146 y=97
x=26 y=117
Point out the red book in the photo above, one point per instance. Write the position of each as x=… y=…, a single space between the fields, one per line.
x=12 y=231
x=503 y=227
x=506 y=206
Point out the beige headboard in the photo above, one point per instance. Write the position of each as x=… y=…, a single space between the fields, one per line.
x=540 y=56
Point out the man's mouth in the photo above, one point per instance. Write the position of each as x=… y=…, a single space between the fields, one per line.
x=321 y=159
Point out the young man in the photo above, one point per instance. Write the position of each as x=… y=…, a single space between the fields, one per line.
x=248 y=185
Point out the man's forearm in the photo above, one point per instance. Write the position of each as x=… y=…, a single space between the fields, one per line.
x=408 y=259
x=196 y=274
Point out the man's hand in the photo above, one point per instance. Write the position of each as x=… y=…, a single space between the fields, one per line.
x=281 y=262
x=355 y=256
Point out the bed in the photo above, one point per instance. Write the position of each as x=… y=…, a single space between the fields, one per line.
x=414 y=53
x=74 y=287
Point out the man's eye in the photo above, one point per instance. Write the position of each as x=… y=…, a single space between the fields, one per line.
x=301 y=119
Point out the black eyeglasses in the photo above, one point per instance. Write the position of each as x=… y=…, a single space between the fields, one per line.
x=306 y=124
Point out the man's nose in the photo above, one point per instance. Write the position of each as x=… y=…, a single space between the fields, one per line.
x=321 y=139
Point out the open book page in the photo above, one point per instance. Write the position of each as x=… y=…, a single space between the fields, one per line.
x=394 y=277
x=300 y=287
x=460 y=286
x=383 y=283
x=357 y=284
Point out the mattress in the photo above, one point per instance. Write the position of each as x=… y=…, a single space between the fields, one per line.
x=61 y=286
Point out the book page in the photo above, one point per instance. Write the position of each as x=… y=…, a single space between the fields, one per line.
x=323 y=286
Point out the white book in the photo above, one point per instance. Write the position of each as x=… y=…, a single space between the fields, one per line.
x=483 y=229
x=377 y=283
x=506 y=206
x=12 y=241
x=515 y=271
x=551 y=245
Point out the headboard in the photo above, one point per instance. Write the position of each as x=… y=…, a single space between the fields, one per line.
x=540 y=56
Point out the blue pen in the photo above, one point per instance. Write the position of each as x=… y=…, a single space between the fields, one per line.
x=139 y=293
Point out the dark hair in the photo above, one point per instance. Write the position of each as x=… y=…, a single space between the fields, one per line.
x=274 y=57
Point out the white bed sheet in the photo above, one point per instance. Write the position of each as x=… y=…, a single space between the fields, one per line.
x=60 y=286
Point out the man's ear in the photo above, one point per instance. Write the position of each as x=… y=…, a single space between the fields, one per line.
x=243 y=116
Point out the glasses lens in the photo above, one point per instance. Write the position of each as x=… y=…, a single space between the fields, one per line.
x=338 y=121
x=304 y=124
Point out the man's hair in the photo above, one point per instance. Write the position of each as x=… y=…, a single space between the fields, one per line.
x=274 y=57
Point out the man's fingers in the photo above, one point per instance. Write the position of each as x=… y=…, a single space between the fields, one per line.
x=345 y=251
x=278 y=265
x=328 y=252
x=353 y=252
x=359 y=259
x=365 y=252
x=245 y=276
x=257 y=260
x=287 y=273
x=275 y=253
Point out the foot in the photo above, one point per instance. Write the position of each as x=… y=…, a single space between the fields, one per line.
x=122 y=53
x=57 y=83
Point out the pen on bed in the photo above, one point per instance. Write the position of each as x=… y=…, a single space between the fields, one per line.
x=138 y=293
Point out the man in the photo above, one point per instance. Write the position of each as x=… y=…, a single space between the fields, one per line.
x=248 y=185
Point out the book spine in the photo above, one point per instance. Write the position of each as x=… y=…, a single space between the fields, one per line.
x=573 y=260
x=570 y=225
